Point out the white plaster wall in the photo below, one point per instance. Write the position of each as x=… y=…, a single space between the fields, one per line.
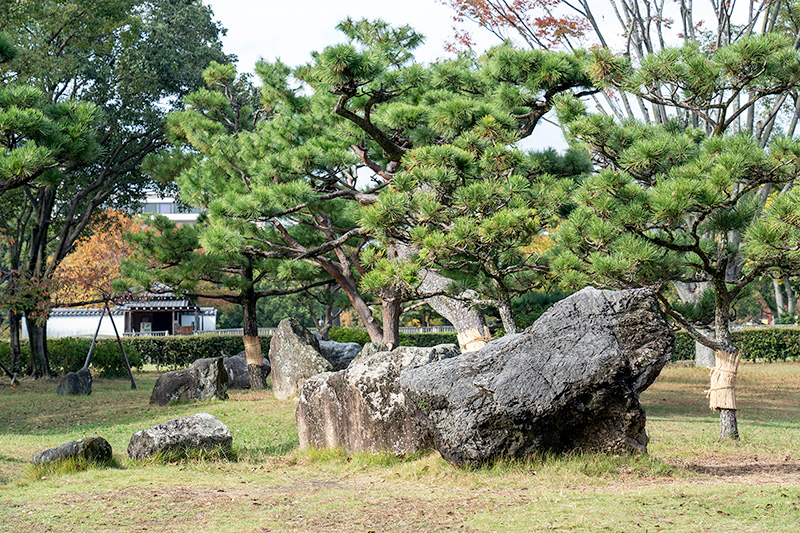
x=75 y=326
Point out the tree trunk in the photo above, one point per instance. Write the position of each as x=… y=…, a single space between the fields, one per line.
x=252 y=344
x=348 y=283
x=722 y=394
x=507 y=317
x=16 y=351
x=392 y=308
x=473 y=334
x=779 y=305
x=38 y=366
x=791 y=302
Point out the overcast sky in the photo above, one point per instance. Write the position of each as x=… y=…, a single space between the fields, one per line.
x=291 y=30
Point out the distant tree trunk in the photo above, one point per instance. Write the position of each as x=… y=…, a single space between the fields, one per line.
x=252 y=344
x=38 y=364
x=16 y=351
x=331 y=319
x=791 y=301
x=779 y=305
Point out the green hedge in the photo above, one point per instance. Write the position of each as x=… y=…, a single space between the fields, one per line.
x=179 y=352
x=756 y=344
x=360 y=336
x=69 y=353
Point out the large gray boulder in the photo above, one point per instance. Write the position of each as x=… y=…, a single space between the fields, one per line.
x=569 y=382
x=238 y=375
x=339 y=354
x=93 y=449
x=75 y=383
x=180 y=437
x=363 y=408
x=294 y=355
x=203 y=380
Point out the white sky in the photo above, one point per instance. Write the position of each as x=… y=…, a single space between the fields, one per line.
x=291 y=30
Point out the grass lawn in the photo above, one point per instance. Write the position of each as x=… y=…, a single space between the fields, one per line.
x=688 y=482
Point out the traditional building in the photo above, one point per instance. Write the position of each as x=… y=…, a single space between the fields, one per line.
x=156 y=315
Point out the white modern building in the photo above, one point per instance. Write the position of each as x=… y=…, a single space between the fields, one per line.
x=171 y=209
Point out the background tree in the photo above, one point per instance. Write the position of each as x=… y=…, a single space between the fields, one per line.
x=672 y=203
x=442 y=137
x=87 y=275
x=643 y=28
x=133 y=59
x=170 y=258
x=278 y=181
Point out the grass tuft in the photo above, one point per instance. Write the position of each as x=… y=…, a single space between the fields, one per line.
x=71 y=465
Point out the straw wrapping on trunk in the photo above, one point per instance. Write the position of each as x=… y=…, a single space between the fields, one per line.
x=722 y=394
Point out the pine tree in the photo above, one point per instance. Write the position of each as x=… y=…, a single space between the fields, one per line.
x=673 y=203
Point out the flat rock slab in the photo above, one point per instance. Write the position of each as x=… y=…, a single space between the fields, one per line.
x=569 y=382
x=75 y=383
x=93 y=449
x=181 y=436
x=363 y=408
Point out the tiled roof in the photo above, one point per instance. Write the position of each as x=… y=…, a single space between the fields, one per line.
x=159 y=305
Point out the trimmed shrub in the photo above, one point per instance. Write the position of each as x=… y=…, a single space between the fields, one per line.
x=67 y=354
x=180 y=352
x=764 y=345
x=360 y=336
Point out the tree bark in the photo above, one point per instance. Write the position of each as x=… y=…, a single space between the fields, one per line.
x=392 y=308
x=507 y=317
x=779 y=305
x=252 y=344
x=791 y=302
x=13 y=331
x=471 y=329
x=38 y=364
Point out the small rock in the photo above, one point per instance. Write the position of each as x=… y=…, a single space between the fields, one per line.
x=76 y=383
x=93 y=448
x=177 y=437
x=203 y=380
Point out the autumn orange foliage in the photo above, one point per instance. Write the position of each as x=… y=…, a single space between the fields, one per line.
x=86 y=274
x=540 y=22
